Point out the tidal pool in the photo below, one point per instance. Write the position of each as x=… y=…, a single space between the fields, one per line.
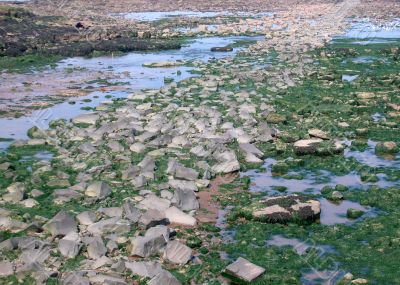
x=156 y=16
x=131 y=72
x=307 y=181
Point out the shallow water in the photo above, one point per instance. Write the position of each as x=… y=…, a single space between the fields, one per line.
x=335 y=212
x=131 y=70
x=301 y=247
x=41 y=155
x=156 y=16
x=367 y=30
x=368 y=156
x=321 y=277
x=227 y=235
x=312 y=182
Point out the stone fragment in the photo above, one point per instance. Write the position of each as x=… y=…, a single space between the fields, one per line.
x=244 y=269
x=98 y=189
x=61 y=224
x=177 y=252
x=176 y=216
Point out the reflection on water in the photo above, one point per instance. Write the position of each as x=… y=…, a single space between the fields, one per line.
x=336 y=212
x=133 y=73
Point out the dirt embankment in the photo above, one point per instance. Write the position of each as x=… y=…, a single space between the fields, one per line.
x=22 y=32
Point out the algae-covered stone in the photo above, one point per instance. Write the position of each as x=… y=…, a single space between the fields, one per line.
x=354 y=213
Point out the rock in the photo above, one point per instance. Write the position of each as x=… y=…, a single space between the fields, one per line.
x=154 y=202
x=137 y=148
x=98 y=189
x=348 y=276
x=250 y=148
x=107 y=280
x=176 y=216
x=115 y=225
x=74 y=278
x=178 y=253
x=130 y=212
x=359 y=281
x=61 y=224
x=316 y=133
x=157 y=231
x=186 y=199
x=115 y=146
x=222 y=49
x=147 y=166
x=65 y=195
x=70 y=245
x=164 y=278
x=95 y=247
x=282 y=209
x=182 y=185
x=152 y=218
x=87 y=218
x=6 y=269
x=147 y=269
x=102 y=261
x=226 y=167
x=336 y=195
x=90 y=119
x=111 y=212
x=386 y=147
x=308 y=146
x=35 y=271
x=147 y=246
x=185 y=173
x=354 y=213
x=244 y=270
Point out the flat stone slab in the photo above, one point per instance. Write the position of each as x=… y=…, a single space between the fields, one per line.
x=244 y=270
x=283 y=209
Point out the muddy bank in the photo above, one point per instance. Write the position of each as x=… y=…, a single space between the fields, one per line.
x=23 y=32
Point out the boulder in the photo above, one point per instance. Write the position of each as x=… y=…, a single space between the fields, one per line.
x=147 y=246
x=282 y=209
x=177 y=252
x=95 y=247
x=89 y=119
x=154 y=202
x=6 y=268
x=61 y=224
x=144 y=269
x=164 y=278
x=98 y=189
x=186 y=199
x=176 y=216
x=152 y=218
x=308 y=146
x=244 y=270
x=87 y=218
x=70 y=245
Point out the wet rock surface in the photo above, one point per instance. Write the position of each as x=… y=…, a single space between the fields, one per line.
x=132 y=189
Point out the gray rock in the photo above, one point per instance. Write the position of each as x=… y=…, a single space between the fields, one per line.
x=111 y=211
x=65 y=195
x=34 y=270
x=147 y=166
x=7 y=269
x=61 y=224
x=147 y=246
x=177 y=252
x=186 y=199
x=244 y=269
x=95 y=247
x=131 y=213
x=183 y=185
x=87 y=218
x=164 y=278
x=153 y=218
x=114 y=225
x=139 y=181
x=176 y=216
x=70 y=245
x=115 y=146
x=147 y=269
x=157 y=231
x=131 y=172
x=75 y=278
x=154 y=202
x=89 y=118
x=103 y=279
x=98 y=189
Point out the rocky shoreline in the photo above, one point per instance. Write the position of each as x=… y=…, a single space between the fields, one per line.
x=118 y=203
